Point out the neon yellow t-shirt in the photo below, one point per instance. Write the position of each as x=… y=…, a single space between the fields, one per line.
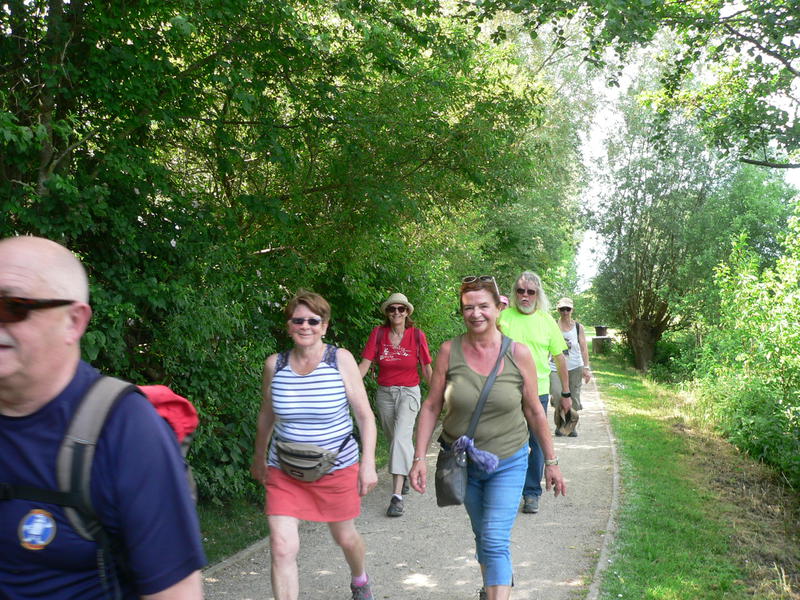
x=540 y=333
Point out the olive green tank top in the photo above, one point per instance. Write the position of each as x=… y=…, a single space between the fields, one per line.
x=502 y=429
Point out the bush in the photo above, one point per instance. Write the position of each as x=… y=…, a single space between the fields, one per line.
x=751 y=362
x=675 y=357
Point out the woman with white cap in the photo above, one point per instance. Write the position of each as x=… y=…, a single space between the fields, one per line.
x=577 y=356
x=397 y=347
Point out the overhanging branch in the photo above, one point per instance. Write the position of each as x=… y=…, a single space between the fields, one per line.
x=770 y=164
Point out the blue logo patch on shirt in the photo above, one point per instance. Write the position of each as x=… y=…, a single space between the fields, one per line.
x=36 y=529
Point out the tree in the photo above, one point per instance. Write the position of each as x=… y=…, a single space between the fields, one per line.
x=208 y=160
x=747 y=106
x=668 y=212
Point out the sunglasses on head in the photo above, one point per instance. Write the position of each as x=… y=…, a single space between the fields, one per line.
x=313 y=321
x=485 y=278
x=14 y=309
x=565 y=309
x=524 y=292
x=399 y=308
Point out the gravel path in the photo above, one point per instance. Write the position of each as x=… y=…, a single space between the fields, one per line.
x=428 y=553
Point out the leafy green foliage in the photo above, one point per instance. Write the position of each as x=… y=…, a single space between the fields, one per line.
x=205 y=161
x=752 y=360
x=667 y=215
x=746 y=103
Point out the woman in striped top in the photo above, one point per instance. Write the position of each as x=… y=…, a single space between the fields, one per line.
x=308 y=394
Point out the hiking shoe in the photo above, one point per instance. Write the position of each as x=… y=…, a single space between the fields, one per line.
x=395 y=507
x=482 y=594
x=362 y=592
x=558 y=433
x=573 y=433
x=530 y=504
x=406 y=487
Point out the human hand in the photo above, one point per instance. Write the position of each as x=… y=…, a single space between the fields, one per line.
x=554 y=479
x=367 y=479
x=418 y=476
x=259 y=470
x=566 y=404
x=587 y=374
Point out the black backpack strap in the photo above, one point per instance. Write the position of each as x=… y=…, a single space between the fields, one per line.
x=418 y=339
x=76 y=454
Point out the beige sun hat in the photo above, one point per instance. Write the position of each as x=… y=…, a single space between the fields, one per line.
x=565 y=302
x=397 y=298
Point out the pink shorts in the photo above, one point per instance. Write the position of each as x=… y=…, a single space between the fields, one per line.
x=333 y=497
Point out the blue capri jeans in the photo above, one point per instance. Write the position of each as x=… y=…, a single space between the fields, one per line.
x=492 y=502
x=533 y=480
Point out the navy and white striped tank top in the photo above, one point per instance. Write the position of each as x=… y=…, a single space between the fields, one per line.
x=312 y=408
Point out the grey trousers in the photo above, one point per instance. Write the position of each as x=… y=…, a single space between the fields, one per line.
x=398 y=407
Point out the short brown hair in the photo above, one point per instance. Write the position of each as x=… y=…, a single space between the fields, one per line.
x=315 y=303
x=479 y=285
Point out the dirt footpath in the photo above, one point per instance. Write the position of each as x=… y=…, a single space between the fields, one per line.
x=428 y=553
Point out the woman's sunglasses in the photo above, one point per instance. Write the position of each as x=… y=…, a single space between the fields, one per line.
x=565 y=309
x=400 y=309
x=14 y=310
x=486 y=278
x=313 y=321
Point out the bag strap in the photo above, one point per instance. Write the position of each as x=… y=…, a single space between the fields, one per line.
x=487 y=386
x=76 y=454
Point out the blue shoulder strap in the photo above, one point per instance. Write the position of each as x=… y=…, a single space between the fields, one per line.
x=283 y=359
x=329 y=356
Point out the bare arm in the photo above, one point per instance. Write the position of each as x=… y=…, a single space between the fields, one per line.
x=427 y=373
x=189 y=588
x=359 y=403
x=428 y=415
x=563 y=375
x=264 y=424
x=363 y=367
x=536 y=418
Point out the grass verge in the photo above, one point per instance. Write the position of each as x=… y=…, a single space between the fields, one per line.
x=697 y=520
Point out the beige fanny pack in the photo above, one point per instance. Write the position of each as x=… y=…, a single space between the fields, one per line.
x=306 y=462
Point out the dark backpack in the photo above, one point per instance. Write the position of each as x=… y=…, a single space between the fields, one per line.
x=76 y=455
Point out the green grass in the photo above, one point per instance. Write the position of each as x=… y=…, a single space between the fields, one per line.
x=231 y=527
x=674 y=541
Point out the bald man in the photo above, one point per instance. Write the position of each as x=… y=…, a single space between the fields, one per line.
x=139 y=486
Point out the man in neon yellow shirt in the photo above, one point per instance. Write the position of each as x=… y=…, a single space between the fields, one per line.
x=528 y=321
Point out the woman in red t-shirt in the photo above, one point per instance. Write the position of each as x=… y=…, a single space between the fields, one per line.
x=397 y=347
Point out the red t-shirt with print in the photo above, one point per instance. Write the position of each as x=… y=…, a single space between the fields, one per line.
x=397 y=365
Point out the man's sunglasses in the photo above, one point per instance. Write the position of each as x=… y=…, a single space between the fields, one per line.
x=14 y=309
x=401 y=309
x=485 y=278
x=313 y=321
x=524 y=292
x=565 y=309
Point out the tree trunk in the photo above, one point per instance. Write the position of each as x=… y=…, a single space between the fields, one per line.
x=643 y=336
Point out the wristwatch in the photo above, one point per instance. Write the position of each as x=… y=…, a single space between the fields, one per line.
x=549 y=462
x=566 y=394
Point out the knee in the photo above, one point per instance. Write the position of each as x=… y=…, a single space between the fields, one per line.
x=348 y=540
x=283 y=549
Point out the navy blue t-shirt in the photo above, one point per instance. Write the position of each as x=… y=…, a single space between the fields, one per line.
x=139 y=490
